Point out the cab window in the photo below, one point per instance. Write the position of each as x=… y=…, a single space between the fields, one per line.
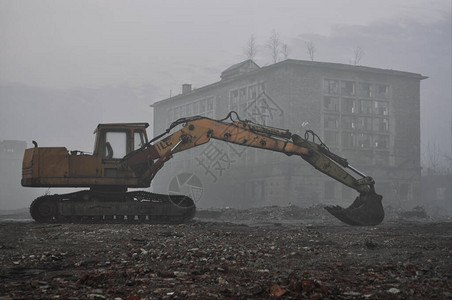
x=115 y=144
x=139 y=139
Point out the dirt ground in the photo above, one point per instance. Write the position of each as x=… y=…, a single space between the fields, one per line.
x=286 y=253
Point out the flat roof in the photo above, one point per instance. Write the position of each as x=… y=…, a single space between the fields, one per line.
x=335 y=66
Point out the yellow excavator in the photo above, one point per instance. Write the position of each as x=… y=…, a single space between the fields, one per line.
x=124 y=158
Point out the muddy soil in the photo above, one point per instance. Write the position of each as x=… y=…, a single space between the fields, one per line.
x=227 y=255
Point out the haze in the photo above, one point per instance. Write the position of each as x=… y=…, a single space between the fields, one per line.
x=67 y=66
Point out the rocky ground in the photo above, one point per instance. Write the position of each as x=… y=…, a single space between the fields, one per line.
x=273 y=252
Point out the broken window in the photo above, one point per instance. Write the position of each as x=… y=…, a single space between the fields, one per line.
x=331 y=122
x=364 y=123
x=348 y=140
x=243 y=95
x=348 y=106
x=381 y=108
x=381 y=124
x=364 y=90
x=252 y=91
x=234 y=95
x=348 y=123
x=347 y=88
x=382 y=91
x=331 y=103
x=330 y=87
x=365 y=106
x=363 y=140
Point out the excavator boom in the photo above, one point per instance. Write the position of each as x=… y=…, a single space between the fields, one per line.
x=366 y=210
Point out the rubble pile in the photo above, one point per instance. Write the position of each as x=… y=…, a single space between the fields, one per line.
x=224 y=260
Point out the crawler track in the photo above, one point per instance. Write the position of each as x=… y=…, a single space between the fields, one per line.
x=103 y=207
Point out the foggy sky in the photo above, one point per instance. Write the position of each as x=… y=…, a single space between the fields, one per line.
x=159 y=45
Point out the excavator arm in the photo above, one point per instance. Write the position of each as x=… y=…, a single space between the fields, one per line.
x=366 y=210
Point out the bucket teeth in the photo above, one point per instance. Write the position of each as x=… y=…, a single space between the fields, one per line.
x=366 y=210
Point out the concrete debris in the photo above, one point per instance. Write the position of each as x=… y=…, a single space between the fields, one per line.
x=227 y=259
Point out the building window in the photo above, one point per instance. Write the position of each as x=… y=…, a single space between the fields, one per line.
x=210 y=104
x=331 y=122
x=196 y=108
x=348 y=123
x=348 y=106
x=252 y=91
x=363 y=140
x=331 y=104
x=360 y=120
x=381 y=124
x=241 y=98
x=348 y=140
x=234 y=96
x=190 y=109
x=381 y=108
x=364 y=90
x=365 y=107
x=347 y=88
x=364 y=123
x=381 y=91
x=243 y=95
x=204 y=107
x=330 y=87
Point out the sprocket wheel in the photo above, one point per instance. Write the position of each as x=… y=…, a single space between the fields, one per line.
x=43 y=209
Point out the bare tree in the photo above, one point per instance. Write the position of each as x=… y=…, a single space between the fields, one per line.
x=310 y=48
x=251 y=48
x=285 y=51
x=274 y=44
x=357 y=55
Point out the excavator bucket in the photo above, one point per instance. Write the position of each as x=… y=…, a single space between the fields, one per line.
x=366 y=210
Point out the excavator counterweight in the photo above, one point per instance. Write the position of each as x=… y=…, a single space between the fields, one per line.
x=123 y=158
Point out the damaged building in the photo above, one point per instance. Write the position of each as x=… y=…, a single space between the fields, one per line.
x=370 y=116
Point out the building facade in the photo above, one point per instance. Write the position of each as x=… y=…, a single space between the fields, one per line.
x=368 y=115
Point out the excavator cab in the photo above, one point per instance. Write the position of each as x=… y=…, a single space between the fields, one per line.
x=114 y=141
